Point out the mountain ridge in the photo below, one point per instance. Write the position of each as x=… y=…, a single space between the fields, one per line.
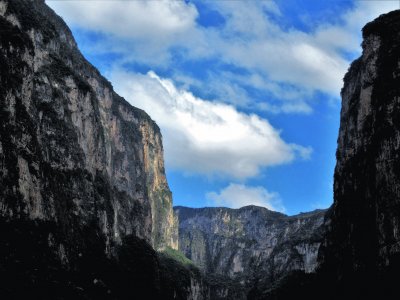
x=244 y=244
x=249 y=207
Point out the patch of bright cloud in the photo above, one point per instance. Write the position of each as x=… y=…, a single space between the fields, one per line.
x=207 y=137
x=143 y=20
x=239 y=195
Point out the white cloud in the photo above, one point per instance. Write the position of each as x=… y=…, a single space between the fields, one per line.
x=150 y=31
x=306 y=61
x=138 y=30
x=146 y=20
x=290 y=107
x=231 y=87
x=239 y=195
x=206 y=137
x=309 y=60
x=252 y=41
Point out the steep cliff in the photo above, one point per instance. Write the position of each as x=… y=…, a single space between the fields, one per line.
x=82 y=182
x=360 y=255
x=250 y=243
x=66 y=132
x=364 y=236
x=164 y=223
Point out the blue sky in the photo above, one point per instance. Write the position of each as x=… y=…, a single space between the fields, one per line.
x=246 y=93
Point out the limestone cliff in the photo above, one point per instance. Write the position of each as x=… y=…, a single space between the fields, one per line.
x=82 y=181
x=250 y=243
x=71 y=149
x=164 y=223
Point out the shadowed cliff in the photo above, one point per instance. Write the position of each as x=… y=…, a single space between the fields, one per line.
x=360 y=255
x=83 y=193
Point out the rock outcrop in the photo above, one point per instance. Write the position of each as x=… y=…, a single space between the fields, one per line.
x=250 y=243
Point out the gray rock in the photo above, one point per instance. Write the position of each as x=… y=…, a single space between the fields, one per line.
x=83 y=192
x=72 y=150
x=251 y=242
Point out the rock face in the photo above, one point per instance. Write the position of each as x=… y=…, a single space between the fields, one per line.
x=251 y=242
x=82 y=182
x=365 y=229
x=71 y=150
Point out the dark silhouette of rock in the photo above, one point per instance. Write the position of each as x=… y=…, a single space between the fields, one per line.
x=359 y=258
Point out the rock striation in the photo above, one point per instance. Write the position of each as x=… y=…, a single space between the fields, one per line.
x=250 y=243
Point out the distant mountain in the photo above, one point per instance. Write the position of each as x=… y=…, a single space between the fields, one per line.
x=249 y=243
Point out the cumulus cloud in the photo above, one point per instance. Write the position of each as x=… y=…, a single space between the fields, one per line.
x=239 y=195
x=206 y=137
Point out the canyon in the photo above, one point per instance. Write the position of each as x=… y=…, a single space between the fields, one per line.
x=86 y=211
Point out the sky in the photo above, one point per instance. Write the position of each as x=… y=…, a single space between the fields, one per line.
x=246 y=93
